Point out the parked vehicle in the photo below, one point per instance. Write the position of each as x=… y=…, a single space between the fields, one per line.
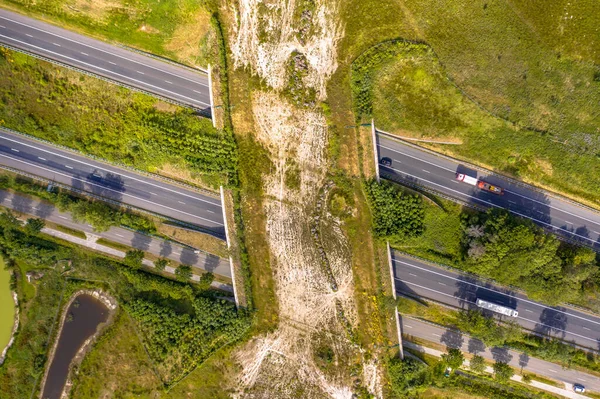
x=497 y=308
x=578 y=388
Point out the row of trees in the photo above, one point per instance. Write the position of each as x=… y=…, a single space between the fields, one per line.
x=516 y=252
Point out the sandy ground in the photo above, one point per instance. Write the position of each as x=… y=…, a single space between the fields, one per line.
x=313 y=278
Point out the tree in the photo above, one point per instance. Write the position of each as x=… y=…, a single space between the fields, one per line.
x=161 y=264
x=184 y=273
x=133 y=258
x=454 y=358
x=97 y=214
x=407 y=374
x=503 y=371
x=527 y=378
x=9 y=221
x=34 y=226
x=477 y=364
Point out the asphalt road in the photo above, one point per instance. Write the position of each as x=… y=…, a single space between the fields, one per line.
x=455 y=339
x=423 y=168
x=422 y=280
x=107 y=181
x=99 y=58
x=155 y=246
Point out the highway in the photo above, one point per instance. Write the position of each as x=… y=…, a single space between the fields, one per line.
x=107 y=181
x=129 y=68
x=419 y=279
x=423 y=168
x=455 y=339
x=156 y=246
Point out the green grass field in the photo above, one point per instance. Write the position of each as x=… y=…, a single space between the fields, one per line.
x=7 y=307
x=517 y=87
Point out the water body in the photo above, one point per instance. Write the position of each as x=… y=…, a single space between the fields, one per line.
x=7 y=307
x=83 y=317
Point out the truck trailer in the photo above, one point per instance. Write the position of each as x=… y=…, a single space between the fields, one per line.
x=472 y=181
x=497 y=308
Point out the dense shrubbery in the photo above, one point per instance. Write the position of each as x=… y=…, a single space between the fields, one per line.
x=394 y=213
x=517 y=252
x=177 y=341
x=98 y=214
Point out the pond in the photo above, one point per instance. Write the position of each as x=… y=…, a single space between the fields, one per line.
x=84 y=316
x=7 y=307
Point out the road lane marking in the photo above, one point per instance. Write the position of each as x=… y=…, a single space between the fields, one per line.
x=2 y=26
x=140 y=72
x=512 y=202
x=426 y=171
x=580 y=379
x=554 y=371
x=166 y=81
x=519 y=317
x=440 y=283
x=508 y=191
x=56 y=44
x=208 y=210
x=110 y=189
x=585 y=328
x=181 y=202
x=407 y=326
x=530 y=311
x=85 y=54
x=493 y=289
x=14 y=149
x=568 y=222
x=594 y=231
x=100 y=167
x=28 y=35
x=152 y=193
x=62 y=217
x=436 y=335
x=176 y=253
x=177 y=95
x=34 y=207
x=497 y=206
x=68 y=167
x=119 y=235
x=412 y=274
x=104 y=51
x=42 y=159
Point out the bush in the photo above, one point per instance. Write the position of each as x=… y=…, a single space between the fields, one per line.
x=161 y=263
x=503 y=371
x=477 y=364
x=183 y=273
x=394 y=213
x=134 y=258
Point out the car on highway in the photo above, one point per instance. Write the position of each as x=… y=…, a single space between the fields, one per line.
x=578 y=388
x=385 y=161
x=490 y=187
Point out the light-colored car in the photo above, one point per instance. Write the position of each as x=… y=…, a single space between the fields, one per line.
x=578 y=388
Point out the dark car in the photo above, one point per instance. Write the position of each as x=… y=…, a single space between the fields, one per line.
x=385 y=161
x=578 y=388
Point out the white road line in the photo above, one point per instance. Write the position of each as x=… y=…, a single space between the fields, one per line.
x=26 y=34
x=512 y=202
x=110 y=189
x=412 y=274
x=14 y=149
x=119 y=235
x=140 y=72
x=34 y=207
x=181 y=202
x=508 y=191
x=597 y=232
x=9 y=199
x=493 y=290
x=42 y=159
x=68 y=167
x=109 y=71
x=62 y=217
x=2 y=26
x=407 y=326
x=585 y=328
x=568 y=222
x=176 y=253
x=56 y=44
x=85 y=53
x=112 y=63
x=554 y=371
x=152 y=193
x=520 y=317
x=530 y=311
x=440 y=283
x=104 y=51
x=580 y=379
x=436 y=335
x=208 y=210
x=166 y=81
x=497 y=206
x=196 y=91
x=426 y=171
x=109 y=170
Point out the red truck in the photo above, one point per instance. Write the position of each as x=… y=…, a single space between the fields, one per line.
x=479 y=184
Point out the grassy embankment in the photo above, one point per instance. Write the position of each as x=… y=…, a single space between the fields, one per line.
x=106 y=121
x=504 y=82
x=179 y=30
x=7 y=306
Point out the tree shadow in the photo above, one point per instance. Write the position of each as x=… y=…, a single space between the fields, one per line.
x=501 y=354
x=523 y=360
x=476 y=346
x=188 y=257
x=165 y=248
x=452 y=339
x=469 y=289
x=211 y=262
x=552 y=322
x=141 y=241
